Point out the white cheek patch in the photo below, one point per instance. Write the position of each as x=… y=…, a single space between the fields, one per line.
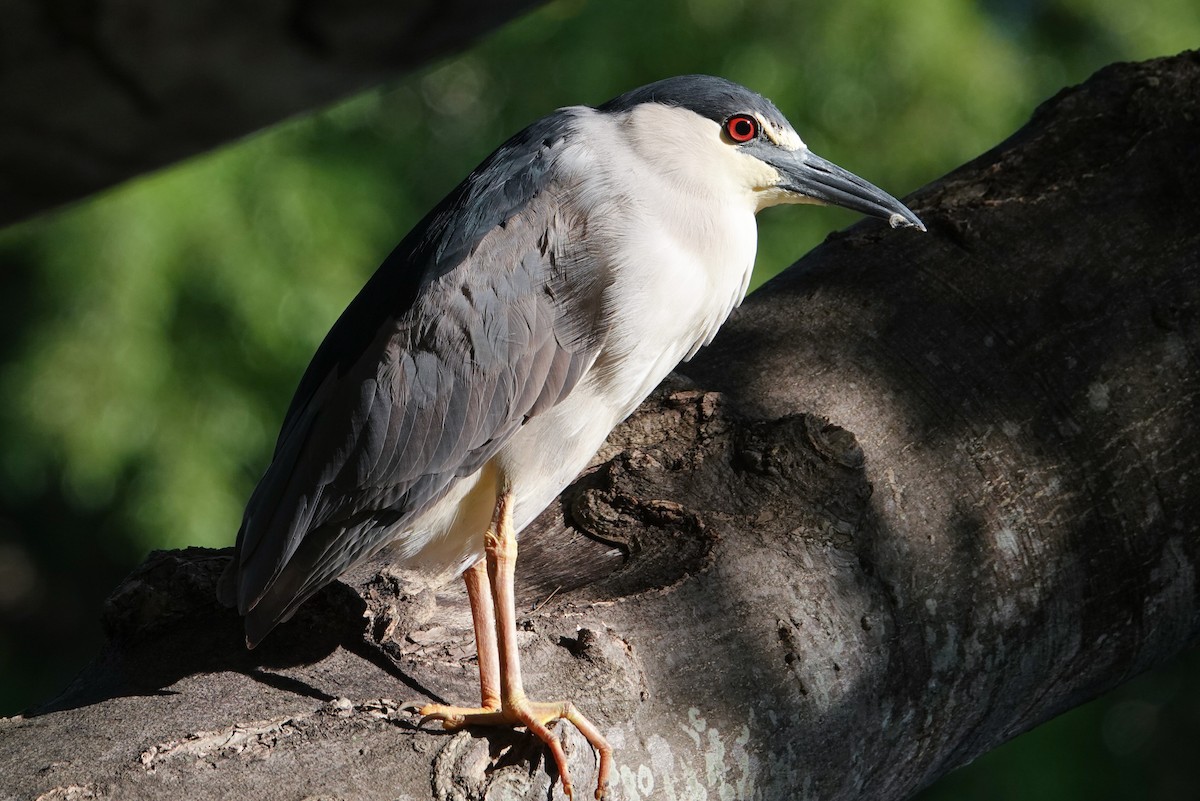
x=785 y=138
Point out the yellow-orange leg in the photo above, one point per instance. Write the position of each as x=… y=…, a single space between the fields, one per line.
x=482 y=615
x=500 y=647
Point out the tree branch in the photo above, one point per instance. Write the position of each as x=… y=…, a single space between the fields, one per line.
x=92 y=94
x=923 y=493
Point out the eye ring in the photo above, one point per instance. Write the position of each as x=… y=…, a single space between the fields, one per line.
x=741 y=128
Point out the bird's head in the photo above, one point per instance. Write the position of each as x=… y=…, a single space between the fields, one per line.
x=711 y=133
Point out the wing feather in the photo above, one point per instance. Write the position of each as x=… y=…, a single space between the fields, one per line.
x=470 y=354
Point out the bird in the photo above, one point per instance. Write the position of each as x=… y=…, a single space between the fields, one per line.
x=484 y=363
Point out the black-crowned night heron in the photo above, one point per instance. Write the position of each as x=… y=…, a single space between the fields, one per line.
x=490 y=355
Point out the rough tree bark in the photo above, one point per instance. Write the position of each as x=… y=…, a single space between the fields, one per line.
x=94 y=93
x=923 y=493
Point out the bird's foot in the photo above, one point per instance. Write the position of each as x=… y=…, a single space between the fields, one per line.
x=535 y=716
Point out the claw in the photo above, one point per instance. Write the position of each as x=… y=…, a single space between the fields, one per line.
x=536 y=717
x=427 y=719
x=412 y=706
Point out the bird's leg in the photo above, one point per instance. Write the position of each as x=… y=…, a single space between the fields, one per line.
x=484 y=618
x=500 y=549
x=501 y=553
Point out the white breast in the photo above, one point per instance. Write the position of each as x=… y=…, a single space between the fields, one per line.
x=682 y=251
x=681 y=241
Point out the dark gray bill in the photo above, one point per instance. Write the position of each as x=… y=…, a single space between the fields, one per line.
x=805 y=173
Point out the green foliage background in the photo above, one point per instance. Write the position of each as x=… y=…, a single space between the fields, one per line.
x=150 y=338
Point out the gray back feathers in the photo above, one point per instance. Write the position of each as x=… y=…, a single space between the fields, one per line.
x=481 y=318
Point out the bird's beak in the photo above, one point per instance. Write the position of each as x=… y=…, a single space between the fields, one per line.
x=812 y=179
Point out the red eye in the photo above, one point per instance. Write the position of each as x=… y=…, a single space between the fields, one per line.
x=741 y=128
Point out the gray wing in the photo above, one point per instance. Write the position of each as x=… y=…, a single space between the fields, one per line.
x=502 y=335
